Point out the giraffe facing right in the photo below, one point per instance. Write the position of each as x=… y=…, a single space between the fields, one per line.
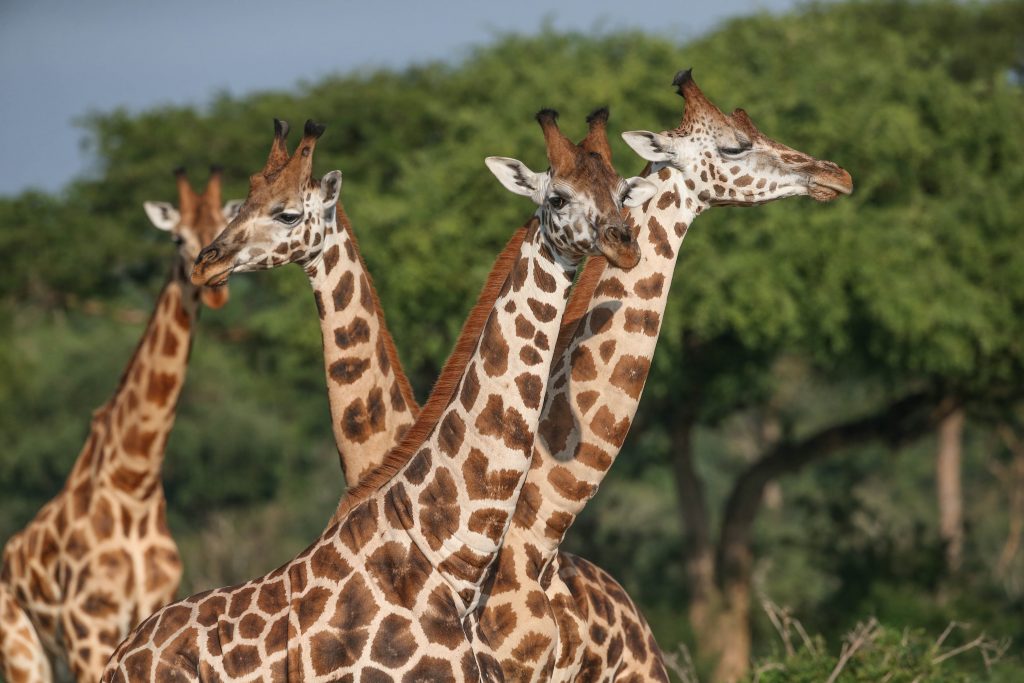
x=390 y=585
x=710 y=159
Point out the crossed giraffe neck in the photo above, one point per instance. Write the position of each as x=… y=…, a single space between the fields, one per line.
x=394 y=571
x=598 y=376
x=99 y=557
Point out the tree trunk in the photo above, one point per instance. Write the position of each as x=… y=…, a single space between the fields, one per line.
x=948 y=487
x=1013 y=478
x=698 y=557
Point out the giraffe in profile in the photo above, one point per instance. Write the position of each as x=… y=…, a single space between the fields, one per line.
x=98 y=557
x=602 y=361
x=386 y=591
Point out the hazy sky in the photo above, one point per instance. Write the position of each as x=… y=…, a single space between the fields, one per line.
x=60 y=59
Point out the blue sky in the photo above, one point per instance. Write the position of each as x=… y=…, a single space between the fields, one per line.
x=62 y=59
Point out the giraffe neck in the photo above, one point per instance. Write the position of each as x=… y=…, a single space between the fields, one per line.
x=371 y=401
x=129 y=433
x=595 y=383
x=456 y=495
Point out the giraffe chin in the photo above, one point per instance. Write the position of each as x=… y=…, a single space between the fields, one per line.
x=214 y=296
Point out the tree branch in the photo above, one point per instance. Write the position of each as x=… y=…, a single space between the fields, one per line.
x=898 y=422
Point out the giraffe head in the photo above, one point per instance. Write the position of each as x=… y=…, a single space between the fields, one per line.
x=284 y=218
x=728 y=161
x=196 y=222
x=581 y=197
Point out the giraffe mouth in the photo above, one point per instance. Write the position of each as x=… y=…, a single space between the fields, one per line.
x=214 y=296
x=826 y=187
x=620 y=247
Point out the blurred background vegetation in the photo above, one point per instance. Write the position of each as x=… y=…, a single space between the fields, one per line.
x=821 y=368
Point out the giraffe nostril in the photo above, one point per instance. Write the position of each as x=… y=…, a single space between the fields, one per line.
x=210 y=253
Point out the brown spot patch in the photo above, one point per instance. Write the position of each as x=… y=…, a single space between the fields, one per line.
x=650 y=287
x=607 y=428
x=343 y=291
x=160 y=386
x=451 y=433
x=359 y=526
x=530 y=388
x=543 y=312
x=394 y=643
x=356 y=332
x=493 y=348
x=567 y=485
x=497 y=623
x=470 y=387
x=489 y=522
x=557 y=424
x=482 y=484
x=610 y=287
x=524 y=328
x=630 y=373
x=331 y=258
x=439 y=509
x=583 y=367
x=658 y=238
x=440 y=622
x=585 y=400
x=506 y=424
x=642 y=320
x=348 y=370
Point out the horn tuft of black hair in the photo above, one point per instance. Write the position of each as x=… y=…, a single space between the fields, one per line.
x=314 y=129
x=216 y=169
x=179 y=171
x=599 y=115
x=547 y=116
x=682 y=78
x=281 y=128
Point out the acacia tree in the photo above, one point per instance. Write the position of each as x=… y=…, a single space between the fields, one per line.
x=915 y=284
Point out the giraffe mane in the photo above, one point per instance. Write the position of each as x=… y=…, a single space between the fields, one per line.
x=579 y=302
x=385 y=334
x=447 y=381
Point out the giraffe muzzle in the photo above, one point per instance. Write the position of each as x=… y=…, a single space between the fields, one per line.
x=617 y=244
x=205 y=262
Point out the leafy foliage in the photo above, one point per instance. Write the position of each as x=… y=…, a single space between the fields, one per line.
x=816 y=313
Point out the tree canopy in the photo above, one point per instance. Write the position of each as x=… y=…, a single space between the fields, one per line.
x=818 y=313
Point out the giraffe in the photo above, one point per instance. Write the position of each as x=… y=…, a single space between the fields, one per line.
x=371 y=404
x=601 y=364
x=389 y=586
x=98 y=557
x=247 y=251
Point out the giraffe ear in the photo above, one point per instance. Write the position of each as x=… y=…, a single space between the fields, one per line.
x=516 y=177
x=638 y=190
x=232 y=208
x=650 y=146
x=162 y=214
x=330 y=188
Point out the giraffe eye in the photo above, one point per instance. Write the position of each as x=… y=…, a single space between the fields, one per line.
x=288 y=218
x=178 y=239
x=557 y=201
x=732 y=151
